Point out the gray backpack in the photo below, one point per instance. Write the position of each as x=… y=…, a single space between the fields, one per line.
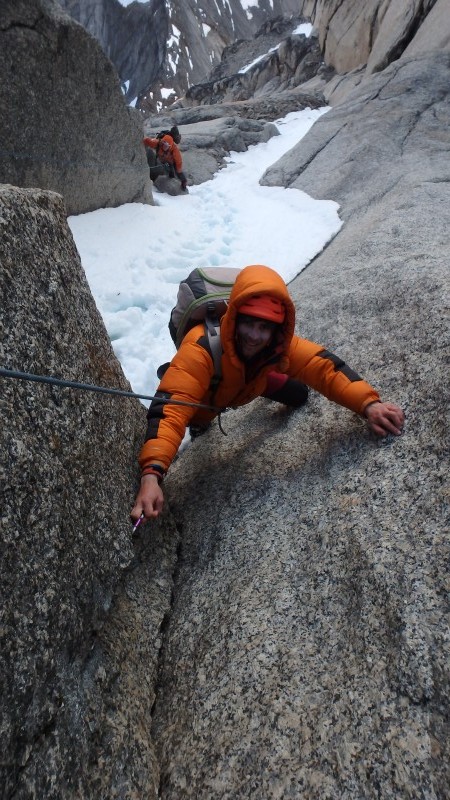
x=203 y=296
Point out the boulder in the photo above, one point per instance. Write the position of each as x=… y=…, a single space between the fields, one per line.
x=81 y=603
x=62 y=130
x=307 y=652
x=206 y=145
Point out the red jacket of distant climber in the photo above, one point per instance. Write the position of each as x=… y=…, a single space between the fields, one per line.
x=166 y=150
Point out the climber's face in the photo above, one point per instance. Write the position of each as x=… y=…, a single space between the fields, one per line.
x=252 y=335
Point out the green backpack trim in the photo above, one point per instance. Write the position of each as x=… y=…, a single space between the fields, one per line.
x=204 y=293
x=203 y=297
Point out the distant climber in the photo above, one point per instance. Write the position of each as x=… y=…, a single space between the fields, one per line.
x=261 y=357
x=164 y=157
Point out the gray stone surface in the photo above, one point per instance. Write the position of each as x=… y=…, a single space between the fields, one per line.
x=61 y=129
x=395 y=28
x=205 y=145
x=308 y=650
x=81 y=604
x=434 y=33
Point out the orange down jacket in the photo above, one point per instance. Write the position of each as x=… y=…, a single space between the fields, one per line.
x=171 y=155
x=189 y=375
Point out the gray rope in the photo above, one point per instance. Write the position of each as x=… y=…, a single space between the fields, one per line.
x=89 y=387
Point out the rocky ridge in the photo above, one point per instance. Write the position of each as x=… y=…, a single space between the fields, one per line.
x=276 y=60
x=160 y=52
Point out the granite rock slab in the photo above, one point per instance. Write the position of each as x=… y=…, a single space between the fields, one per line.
x=82 y=602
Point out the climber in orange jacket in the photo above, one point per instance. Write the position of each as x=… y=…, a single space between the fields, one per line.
x=261 y=357
x=166 y=158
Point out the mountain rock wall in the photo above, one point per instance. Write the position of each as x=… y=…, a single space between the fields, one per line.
x=77 y=680
x=350 y=42
x=205 y=29
x=273 y=62
x=65 y=125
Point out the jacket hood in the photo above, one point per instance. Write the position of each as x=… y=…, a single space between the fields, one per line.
x=257 y=279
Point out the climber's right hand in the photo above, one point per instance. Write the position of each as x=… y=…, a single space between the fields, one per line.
x=149 y=499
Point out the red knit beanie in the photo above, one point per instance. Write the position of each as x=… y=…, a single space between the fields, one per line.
x=264 y=306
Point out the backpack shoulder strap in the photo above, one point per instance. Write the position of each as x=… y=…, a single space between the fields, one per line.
x=212 y=328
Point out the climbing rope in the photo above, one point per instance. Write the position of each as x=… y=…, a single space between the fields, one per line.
x=89 y=387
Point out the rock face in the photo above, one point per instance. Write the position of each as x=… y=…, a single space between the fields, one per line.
x=410 y=147
x=274 y=61
x=353 y=35
x=72 y=718
x=307 y=653
x=200 y=31
x=61 y=129
x=351 y=42
x=363 y=38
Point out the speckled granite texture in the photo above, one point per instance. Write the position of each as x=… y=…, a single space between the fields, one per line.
x=307 y=654
x=81 y=603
